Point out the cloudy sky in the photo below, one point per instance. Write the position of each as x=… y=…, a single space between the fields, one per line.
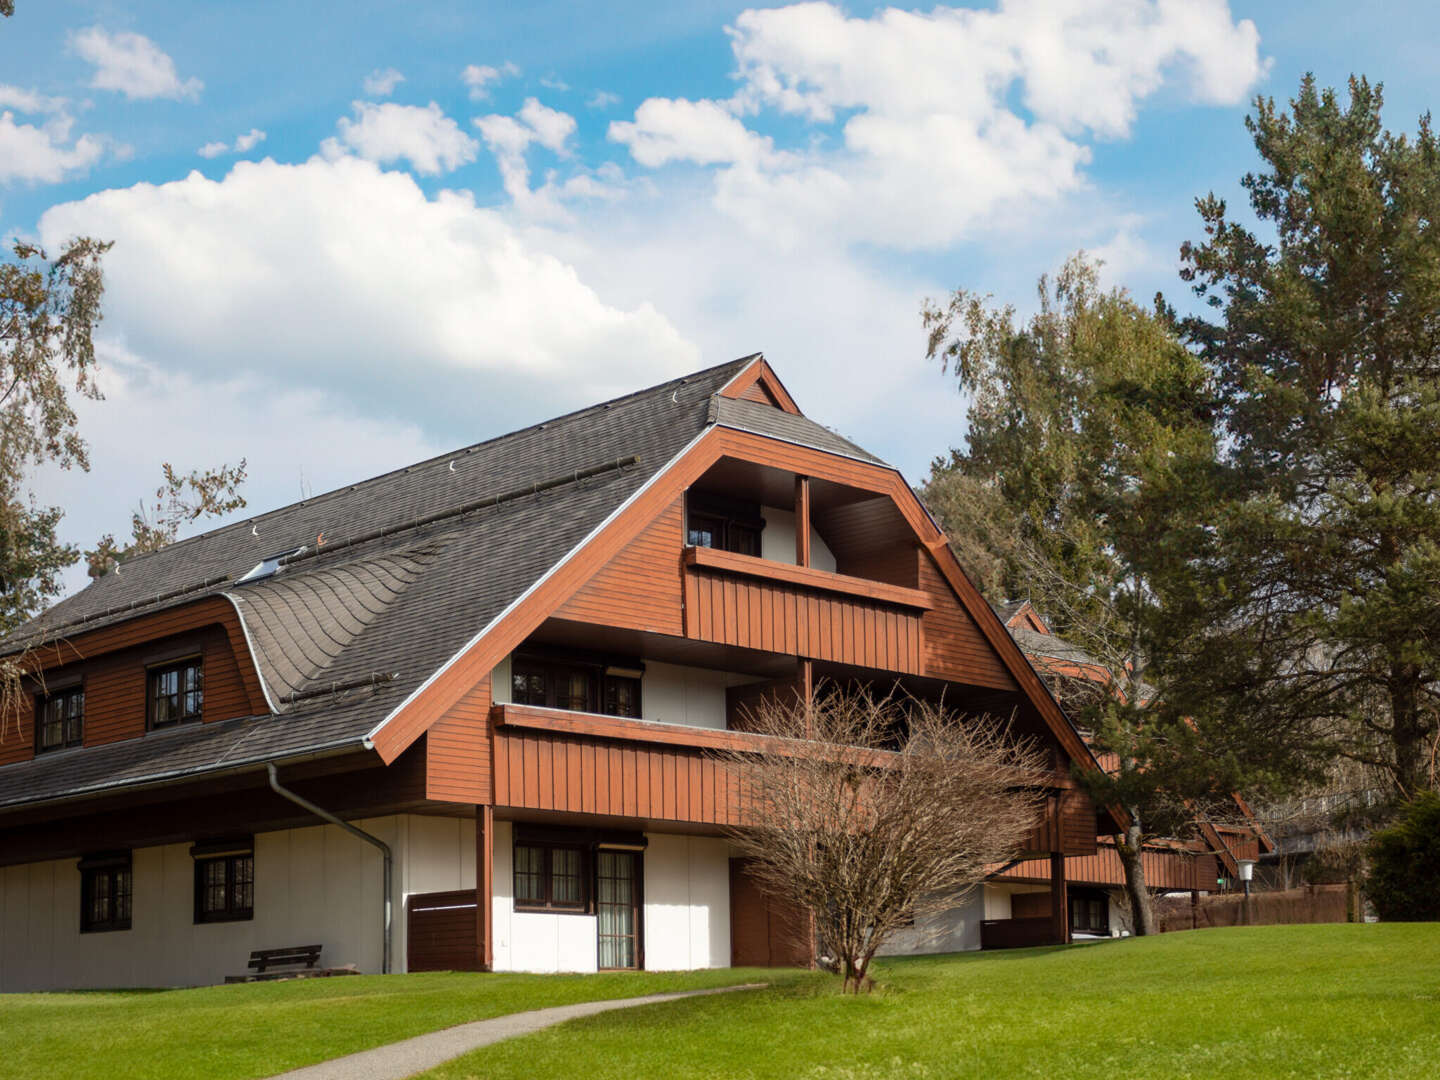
x=351 y=235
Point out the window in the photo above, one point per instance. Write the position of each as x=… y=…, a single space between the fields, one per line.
x=105 y=888
x=60 y=719
x=177 y=693
x=550 y=877
x=225 y=887
x=1089 y=913
x=725 y=524
x=575 y=685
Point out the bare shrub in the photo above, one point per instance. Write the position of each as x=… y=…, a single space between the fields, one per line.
x=871 y=813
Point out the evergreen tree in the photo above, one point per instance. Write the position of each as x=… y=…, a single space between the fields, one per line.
x=1306 y=602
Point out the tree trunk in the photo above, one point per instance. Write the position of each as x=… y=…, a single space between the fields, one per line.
x=1129 y=845
x=1407 y=729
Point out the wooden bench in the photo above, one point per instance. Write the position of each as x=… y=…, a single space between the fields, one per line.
x=295 y=962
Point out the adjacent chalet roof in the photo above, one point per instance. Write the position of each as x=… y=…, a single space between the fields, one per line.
x=382 y=582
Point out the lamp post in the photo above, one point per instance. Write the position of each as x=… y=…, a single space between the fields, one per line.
x=1247 y=871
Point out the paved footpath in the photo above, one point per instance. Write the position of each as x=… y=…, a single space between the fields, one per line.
x=398 y=1060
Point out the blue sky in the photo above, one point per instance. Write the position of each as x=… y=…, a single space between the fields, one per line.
x=613 y=194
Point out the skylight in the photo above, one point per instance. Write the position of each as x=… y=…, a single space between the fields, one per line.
x=269 y=566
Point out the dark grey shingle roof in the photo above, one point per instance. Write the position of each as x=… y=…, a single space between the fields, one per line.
x=397 y=605
x=764 y=420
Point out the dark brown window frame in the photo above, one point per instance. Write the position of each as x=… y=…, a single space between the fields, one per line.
x=602 y=689
x=1086 y=925
x=232 y=862
x=156 y=671
x=548 y=905
x=735 y=525
x=68 y=739
x=118 y=872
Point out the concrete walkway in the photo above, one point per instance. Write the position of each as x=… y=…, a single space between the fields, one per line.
x=411 y=1056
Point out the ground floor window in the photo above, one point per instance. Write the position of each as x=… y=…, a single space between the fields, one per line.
x=1089 y=913
x=550 y=877
x=105 y=893
x=225 y=887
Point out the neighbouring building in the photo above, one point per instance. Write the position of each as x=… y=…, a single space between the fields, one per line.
x=507 y=665
x=1207 y=861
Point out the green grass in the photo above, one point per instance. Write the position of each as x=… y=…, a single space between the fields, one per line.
x=1280 y=1001
x=259 y=1029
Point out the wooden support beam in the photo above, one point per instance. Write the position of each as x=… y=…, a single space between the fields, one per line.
x=802 y=521
x=485 y=886
x=1059 y=900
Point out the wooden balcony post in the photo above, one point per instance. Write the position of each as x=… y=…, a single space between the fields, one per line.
x=485 y=886
x=1059 y=900
x=802 y=521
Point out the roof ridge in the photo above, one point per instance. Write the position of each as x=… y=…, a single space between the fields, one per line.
x=344 y=488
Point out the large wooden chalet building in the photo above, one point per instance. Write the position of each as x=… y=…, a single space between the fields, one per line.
x=507 y=666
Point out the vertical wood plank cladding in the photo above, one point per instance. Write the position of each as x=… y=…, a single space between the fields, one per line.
x=954 y=646
x=1077 y=823
x=640 y=588
x=775 y=616
x=457 y=750
x=661 y=783
x=111 y=663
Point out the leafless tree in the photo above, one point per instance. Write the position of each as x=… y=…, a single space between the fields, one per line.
x=870 y=813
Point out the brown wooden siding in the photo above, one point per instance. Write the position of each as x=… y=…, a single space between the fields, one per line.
x=536 y=770
x=774 y=616
x=954 y=646
x=457 y=748
x=1164 y=869
x=441 y=932
x=765 y=932
x=111 y=663
x=638 y=589
x=757 y=392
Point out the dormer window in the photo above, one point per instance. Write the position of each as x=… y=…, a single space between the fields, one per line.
x=177 y=692
x=60 y=719
x=725 y=524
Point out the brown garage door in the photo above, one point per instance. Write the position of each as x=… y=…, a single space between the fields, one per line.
x=440 y=932
x=764 y=932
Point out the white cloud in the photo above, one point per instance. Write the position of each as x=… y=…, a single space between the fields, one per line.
x=43 y=152
x=338 y=276
x=931 y=147
x=554 y=82
x=703 y=132
x=509 y=137
x=133 y=65
x=382 y=83
x=602 y=99
x=480 y=77
x=243 y=144
x=427 y=138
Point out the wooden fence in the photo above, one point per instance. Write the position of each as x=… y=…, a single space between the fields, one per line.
x=1308 y=904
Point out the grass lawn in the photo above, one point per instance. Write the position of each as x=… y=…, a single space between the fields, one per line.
x=1280 y=1001
x=258 y=1029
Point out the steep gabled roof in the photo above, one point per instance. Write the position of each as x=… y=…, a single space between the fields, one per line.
x=396 y=574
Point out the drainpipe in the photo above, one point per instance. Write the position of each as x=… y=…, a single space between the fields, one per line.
x=301 y=801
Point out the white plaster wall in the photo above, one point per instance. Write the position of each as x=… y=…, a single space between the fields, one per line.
x=312 y=885
x=955 y=930
x=673 y=694
x=687 y=903
x=500 y=683
x=777 y=540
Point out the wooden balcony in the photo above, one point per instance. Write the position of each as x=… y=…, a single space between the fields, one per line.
x=759 y=604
